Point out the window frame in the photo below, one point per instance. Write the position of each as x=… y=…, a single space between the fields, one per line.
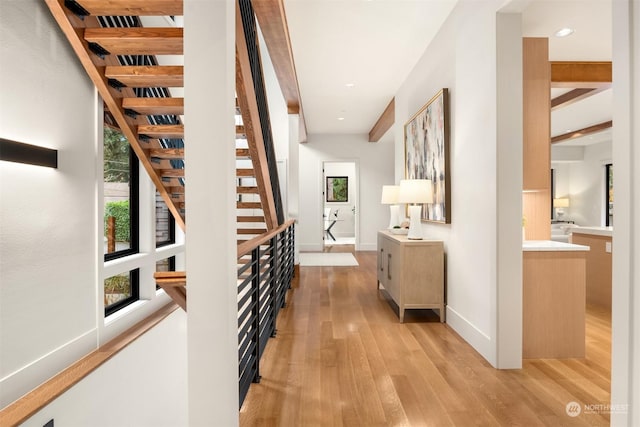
x=608 y=172
x=134 y=210
x=172 y=230
x=134 y=282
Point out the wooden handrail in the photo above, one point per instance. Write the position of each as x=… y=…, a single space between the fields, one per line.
x=26 y=406
x=179 y=278
x=245 y=247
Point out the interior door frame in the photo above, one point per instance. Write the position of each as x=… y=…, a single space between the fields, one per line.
x=356 y=197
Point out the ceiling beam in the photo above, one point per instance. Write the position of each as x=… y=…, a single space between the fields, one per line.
x=273 y=25
x=582 y=132
x=384 y=123
x=571 y=74
x=573 y=96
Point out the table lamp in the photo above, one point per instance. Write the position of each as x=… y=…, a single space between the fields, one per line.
x=559 y=205
x=415 y=192
x=390 y=197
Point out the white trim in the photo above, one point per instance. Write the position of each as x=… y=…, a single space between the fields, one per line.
x=474 y=336
x=30 y=376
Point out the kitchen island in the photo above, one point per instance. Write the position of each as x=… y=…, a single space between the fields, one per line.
x=553 y=299
x=599 y=266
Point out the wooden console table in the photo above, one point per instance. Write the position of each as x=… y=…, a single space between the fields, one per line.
x=412 y=272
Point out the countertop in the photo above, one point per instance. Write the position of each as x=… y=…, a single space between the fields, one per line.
x=598 y=231
x=551 y=246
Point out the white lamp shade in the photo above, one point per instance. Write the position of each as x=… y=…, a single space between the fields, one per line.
x=561 y=203
x=415 y=191
x=390 y=194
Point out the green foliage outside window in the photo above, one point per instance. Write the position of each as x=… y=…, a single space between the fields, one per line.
x=116 y=156
x=119 y=210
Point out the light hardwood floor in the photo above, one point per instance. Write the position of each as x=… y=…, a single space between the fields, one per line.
x=340 y=358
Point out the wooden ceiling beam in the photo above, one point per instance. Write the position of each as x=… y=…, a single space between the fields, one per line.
x=147 y=75
x=582 y=132
x=137 y=40
x=155 y=106
x=384 y=123
x=574 y=95
x=272 y=19
x=132 y=7
x=567 y=74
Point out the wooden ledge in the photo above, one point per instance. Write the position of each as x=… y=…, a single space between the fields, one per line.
x=26 y=406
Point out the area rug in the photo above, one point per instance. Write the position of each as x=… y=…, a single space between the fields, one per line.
x=327 y=259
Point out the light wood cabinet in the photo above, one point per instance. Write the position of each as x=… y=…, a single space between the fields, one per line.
x=412 y=272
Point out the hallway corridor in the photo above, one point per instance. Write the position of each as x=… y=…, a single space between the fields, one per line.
x=340 y=358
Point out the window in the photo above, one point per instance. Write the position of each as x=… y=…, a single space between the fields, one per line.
x=120 y=196
x=121 y=290
x=165 y=224
x=120 y=218
x=608 y=203
x=167 y=264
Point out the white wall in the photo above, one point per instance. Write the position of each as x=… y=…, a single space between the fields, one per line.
x=143 y=385
x=51 y=268
x=625 y=321
x=345 y=226
x=463 y=58
x=375 y=170
x=47 y=216
x=583 y=182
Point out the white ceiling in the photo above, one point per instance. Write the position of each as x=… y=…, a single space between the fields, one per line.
x=375 y=44
x=371 y=44
x=591 y=41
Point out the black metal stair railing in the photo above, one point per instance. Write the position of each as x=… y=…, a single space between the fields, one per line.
x=264 y=276
x=250 y=32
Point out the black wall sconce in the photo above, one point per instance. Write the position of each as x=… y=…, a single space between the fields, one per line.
x=18 y=152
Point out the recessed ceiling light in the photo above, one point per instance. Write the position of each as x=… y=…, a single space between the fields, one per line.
x=350 y=84
x=569 y=130
x=564 y=32
x=340 y=118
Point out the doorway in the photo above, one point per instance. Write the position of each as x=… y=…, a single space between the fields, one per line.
x=340 y=216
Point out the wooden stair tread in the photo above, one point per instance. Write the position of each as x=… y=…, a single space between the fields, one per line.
x=137 y=40
x=155 y=106
x=242 y=152
x=250 y=219
x=132 y=7
x=172 y=190
x=171 y=172
x=167 y=153
x=161 y=131
x=247 y=190
x=245 y=172
x=255 y=231
x=147 y=75
x=249 y=205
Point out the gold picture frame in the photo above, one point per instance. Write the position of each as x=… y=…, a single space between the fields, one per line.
x=426 y=154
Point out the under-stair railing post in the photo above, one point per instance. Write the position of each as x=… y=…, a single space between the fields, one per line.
x=273 y=283
x=255 y=289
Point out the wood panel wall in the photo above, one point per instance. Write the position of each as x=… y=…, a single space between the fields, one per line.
x=536 y=138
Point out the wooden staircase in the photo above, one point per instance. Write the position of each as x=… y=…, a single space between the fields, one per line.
x=125 y=61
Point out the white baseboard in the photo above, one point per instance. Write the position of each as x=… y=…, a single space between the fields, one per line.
x=25 y=379
x=474 y=336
